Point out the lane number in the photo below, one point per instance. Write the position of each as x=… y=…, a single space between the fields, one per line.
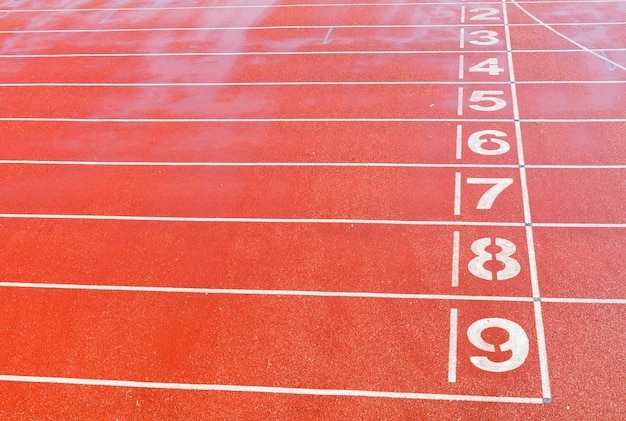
x=484 y=37
x=478 y=141
x=485 y=13
x=490 y=66
x=477 y=265
x=517 y=344
x=487 y=101
x=489 y=197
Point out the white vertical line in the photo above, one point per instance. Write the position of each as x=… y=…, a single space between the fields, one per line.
x=459 y=110
x=532 y=261
x=452 y=355
x=459 y=141
x=457 y=193
x=456 y=245
x=462 y=14
x=462 y=37
x=461 y=66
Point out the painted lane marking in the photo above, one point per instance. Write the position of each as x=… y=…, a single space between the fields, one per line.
x=107 y=17
x=294 y=83
x=239 y=53
x=610 y=66
x=530 y=243
x=457 y=194
x=576 y=225
x=604 y=301
x=264 y=292
x=303 y=5
x=283 y=53
x=266 y=389
x=279 y=27
x=209 y=84
x=456 y=246
x=565 y=37
x=458 y=153
x=307 y=293
x=300 y=164
x=253 y=164
x=259 y=120
x=254 y=220
x=452 y=353
x=327 y=39
x=308 y=120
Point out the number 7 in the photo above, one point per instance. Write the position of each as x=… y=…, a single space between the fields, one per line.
x=487 y=199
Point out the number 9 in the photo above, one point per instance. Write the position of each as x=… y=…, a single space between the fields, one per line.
x=517 y=344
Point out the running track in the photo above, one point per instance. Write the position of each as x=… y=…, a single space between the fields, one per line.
x=282 y=210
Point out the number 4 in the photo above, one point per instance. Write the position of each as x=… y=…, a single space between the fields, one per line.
x=491 y=66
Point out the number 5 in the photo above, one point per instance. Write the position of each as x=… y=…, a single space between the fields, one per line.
x=492 y=97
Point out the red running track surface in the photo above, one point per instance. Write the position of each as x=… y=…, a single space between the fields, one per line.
x=288 y=210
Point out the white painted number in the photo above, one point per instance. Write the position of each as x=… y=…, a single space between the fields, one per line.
x=484 y=37
x=477 y=265
x=491 y=66
x=492 y=98
x=487 y=199
x=485 y=13
x=517 y=344
x=477 y=141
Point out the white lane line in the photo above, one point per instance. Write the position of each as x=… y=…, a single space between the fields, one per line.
x=452 y=352
x=266 y=389
x=254 y=220
x=573 y=120
x=609 y=301
x=286 y=27
x=457 y=193
x=565 y=37
x=295 y=83
x=209 y=84
x=308 y=120
x=456 y=240
x=254 y=120
x=286 y=53
x=253 y=164
x=458 y=154
x=577 y=167
x=300 y=5
x=241 y=53
x=262 y=292
x=532 y=261
x=305 y=293
x=576 y=225
x=143 y=218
